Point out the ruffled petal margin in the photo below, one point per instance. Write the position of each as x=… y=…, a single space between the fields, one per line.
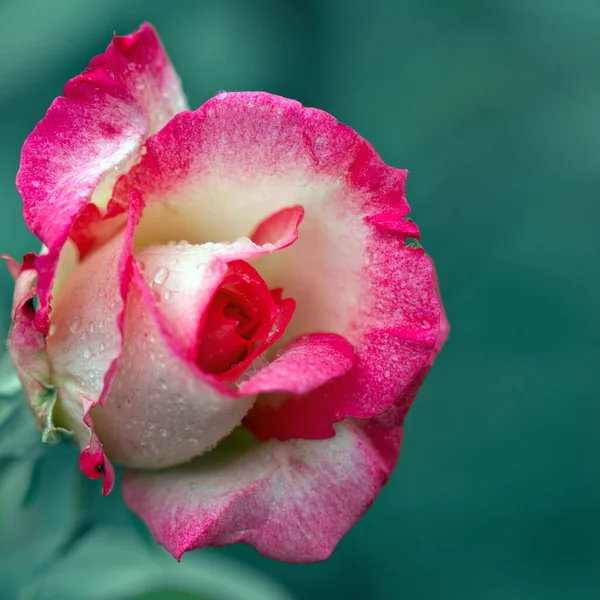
x=88 y=138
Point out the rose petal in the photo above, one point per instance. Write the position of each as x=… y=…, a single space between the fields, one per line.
x=444 y=328
x=87 y=318
x=26 y=344
x=219 y=336
x=279 y=228
x=209 y=173
x=88 y=137
x=87 y=339
x=92 y=460
x=27 y=349
x=306 y=364
x=292 y=500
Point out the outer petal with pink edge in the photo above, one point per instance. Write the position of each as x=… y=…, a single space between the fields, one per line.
x=291 y=500
x=86 y=342
x=240 y=157
x=88 y=137
x=27 y=348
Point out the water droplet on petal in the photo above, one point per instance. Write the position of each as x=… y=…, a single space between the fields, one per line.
x=87 y=353
x=221 y=95
x=75 y=324
x=160 y=275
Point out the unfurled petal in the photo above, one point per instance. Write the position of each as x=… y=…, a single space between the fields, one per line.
x=444 y=330
x=86 y=343
x=88 y=137
x=292 y=500
x=27 y=346
x=93 y=461
x=305 y=365
x=87 y=318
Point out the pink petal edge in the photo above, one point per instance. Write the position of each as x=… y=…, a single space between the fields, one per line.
x=303 y=366
x=26 y=345
x=99 y=125
x=88 y=323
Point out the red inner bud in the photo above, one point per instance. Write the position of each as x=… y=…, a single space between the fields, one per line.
x=243 y=319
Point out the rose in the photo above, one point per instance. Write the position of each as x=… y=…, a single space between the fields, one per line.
x=241 y=276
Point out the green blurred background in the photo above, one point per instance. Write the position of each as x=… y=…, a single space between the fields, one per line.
x=494 y=107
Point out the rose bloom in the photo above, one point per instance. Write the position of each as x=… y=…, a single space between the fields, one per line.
x=230 y=303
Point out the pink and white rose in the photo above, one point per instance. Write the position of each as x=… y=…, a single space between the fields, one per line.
x=228 y=303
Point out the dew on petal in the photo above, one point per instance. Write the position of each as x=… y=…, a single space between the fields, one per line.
x=75 y=324
x=160 y=275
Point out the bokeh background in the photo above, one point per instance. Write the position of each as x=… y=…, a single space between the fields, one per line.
x=494 y=107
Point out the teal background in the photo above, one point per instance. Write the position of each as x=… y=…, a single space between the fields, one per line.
x=494 y=107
